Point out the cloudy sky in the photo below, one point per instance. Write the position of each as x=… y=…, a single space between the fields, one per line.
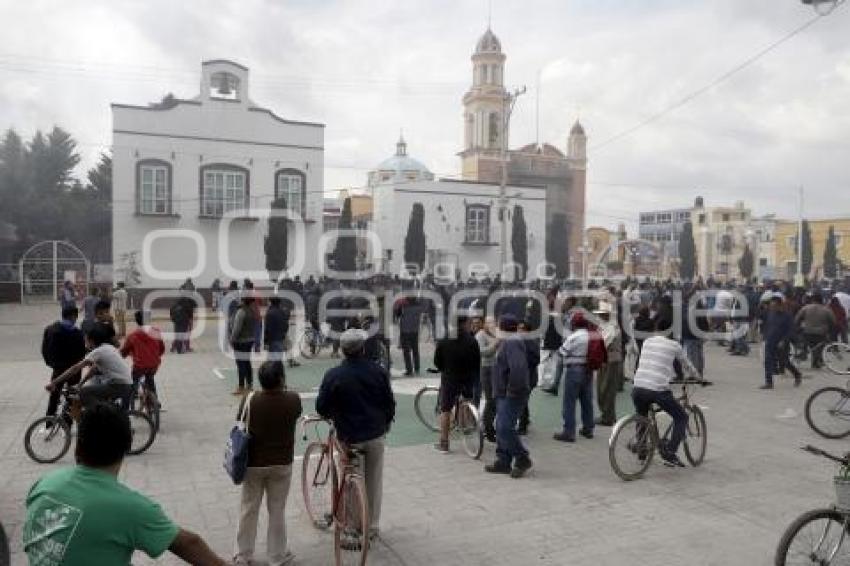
x=368 y=68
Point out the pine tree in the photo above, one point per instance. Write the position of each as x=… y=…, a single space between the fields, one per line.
x=687 y=253
x=557 y=246
x=807 y=249
x=415 y=244
x=830 y=255
x=746 y=264
x=519 y=243
x=276 y=242
x=345 y=253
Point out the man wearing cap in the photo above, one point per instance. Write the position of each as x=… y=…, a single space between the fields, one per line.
x=578 y=381
x=611 y=374
x=511 y=387
x=356 y=395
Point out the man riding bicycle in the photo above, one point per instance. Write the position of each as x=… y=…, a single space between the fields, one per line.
x=652 y=385
x=109 y=376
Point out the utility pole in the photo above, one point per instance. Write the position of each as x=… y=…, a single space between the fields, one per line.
x=508 y=103
x=799 y=280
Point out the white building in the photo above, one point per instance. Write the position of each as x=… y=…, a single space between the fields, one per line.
x=181 y=167
x=462 y=226
x=720 y=233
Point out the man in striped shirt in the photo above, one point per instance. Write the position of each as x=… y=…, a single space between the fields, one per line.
x=652 y=385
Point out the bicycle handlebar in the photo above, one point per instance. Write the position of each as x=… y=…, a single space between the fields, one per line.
x=309 y=419
x=844 y=461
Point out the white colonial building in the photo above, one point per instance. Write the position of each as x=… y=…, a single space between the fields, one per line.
x=194 y=180
x=462 y=225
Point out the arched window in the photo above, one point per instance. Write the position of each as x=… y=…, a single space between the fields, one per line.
x=291 y=184
x=493 y=139
x=224 y=188
x=153 y=187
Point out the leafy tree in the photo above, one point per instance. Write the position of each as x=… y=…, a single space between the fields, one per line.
x=746 y=264
x=345 y=252
x=519 y=243
x=129 y=269
x=100 y=177
x=687 y=253
x=807 y=249
x=415 y=245
x=276 y=242
x=557 y=246
x=830 y=255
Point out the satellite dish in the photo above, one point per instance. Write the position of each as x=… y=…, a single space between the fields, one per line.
x=823 y=7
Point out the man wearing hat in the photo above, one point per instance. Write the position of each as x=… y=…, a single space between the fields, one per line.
x=356 y=395
x=610 y=376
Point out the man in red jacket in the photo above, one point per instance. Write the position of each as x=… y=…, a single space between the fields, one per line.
x=145 y=346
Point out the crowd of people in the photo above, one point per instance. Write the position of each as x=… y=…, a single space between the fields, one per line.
x=494 y=345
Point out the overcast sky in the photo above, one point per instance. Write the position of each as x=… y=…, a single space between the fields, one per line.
x=368 y=68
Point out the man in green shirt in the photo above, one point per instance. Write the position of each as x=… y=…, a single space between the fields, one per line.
x=85 y=516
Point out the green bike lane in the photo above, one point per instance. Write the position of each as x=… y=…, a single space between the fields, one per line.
x=408 y=430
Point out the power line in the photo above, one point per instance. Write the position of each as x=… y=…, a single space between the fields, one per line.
x=702 y=90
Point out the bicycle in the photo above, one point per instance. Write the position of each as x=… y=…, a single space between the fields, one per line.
x=820 y=536
x=833 y=403
x=635 y=439
x=312 y=342
x=146 y=401
x=53 y=433
x=835 y=355
x=335 y=492
x=464 y=424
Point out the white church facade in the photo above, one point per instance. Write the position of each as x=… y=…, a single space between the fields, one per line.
x=193 y=181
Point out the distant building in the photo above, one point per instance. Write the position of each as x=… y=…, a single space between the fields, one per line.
x=665 y=228
x=185 y=164
x=762 y=240
x=563 y=174
x=786 y=245
x=720 y=234
x=461 y=222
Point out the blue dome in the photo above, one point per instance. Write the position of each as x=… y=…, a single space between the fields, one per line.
x=400 y=167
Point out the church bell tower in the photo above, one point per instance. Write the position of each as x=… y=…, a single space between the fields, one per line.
x=483 y=112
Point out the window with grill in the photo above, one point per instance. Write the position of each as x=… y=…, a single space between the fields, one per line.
x=223 y=190
x=290 y=185
x=154 y=189
x=477 y=224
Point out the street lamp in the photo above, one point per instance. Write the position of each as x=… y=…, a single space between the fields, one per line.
x=584 y=250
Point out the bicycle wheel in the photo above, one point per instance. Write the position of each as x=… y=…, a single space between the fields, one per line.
x=467 y=426
x=317 y=484
x=47 y=439
x=836 y=357
x=828 y=412
x=351 y=524
x=815 y=537
x=427 y=406
x=307 y=344
x=142 y=431
x=632 y=447
x=150 y=406
x=696 y=436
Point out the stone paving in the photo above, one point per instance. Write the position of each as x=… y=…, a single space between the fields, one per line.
x=442 y=509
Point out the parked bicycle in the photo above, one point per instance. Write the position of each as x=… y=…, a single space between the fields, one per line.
x=312 y=342
x=828 y=411
x=335 y=492
x=820 y=537
x=635 y=439
x=465 y=423
x=146 y=401
x=49 y=438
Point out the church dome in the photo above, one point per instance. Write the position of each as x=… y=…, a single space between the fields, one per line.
x=400 y=168
x=488 y=43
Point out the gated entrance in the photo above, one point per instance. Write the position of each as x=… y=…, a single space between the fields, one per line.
x=47 y=265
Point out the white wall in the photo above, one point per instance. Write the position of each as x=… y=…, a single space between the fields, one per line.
x=194 y=134
x=394 y=203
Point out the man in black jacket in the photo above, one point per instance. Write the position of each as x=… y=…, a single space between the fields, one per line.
x=275 y=329
x=356 y=395
x=62 y=346
x=459 y=360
